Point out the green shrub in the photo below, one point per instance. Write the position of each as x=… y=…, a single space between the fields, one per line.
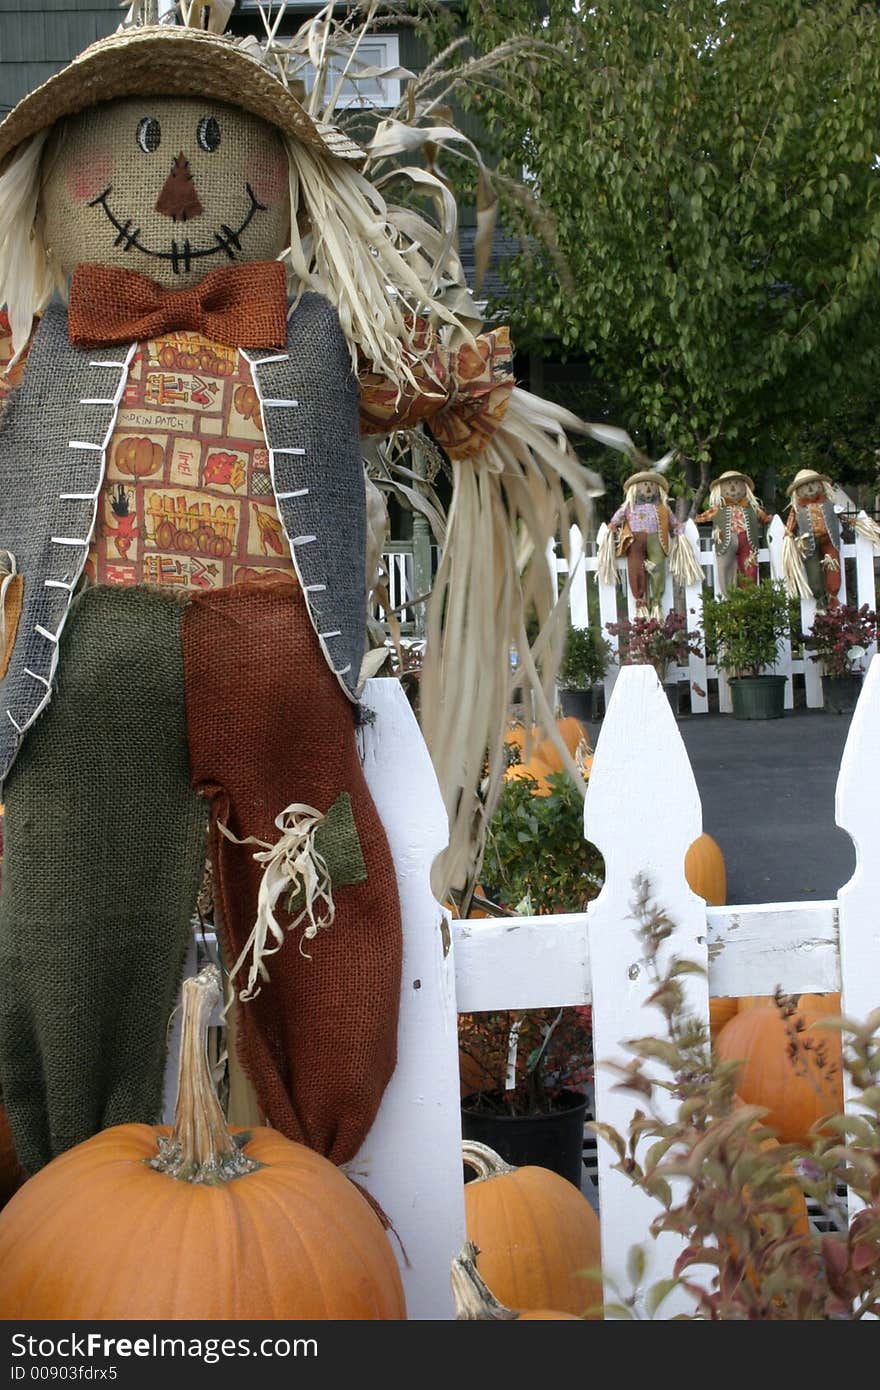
x=745 y=628
x=585 y=660
x=536 y=853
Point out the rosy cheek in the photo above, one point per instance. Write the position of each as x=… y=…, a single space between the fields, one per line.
x=88 y=174
x=267 y=176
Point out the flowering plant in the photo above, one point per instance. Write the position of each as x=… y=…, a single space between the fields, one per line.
x=840 y=637
x=655 y=642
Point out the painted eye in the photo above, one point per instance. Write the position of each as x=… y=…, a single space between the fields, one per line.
x=208 y=133
x=149 y=133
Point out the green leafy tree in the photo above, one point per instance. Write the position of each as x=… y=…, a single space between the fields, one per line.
x=711 y=170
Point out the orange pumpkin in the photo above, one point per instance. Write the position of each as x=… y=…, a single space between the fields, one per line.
x=796 y=1094
x=756 y=1001
x=143 y=1223
x=798 y=1219
x=816 y=1006
x=795 y=1220
x=11 y=1172
x=545 y=758
x=536 y=1234
x=705 y=870
x=720 y=1010
x=573 y=734
x=474 y=1302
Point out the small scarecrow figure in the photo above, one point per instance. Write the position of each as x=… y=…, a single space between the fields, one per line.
x=811 y=546
x=646 y=530
x=208 y=303
x=737 y=516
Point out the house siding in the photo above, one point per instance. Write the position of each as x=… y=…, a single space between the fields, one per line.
x=37 y=37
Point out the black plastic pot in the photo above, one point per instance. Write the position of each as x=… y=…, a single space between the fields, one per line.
x=554 y=1140
x=840 y=693
x=579 y=704
x=758 y=697
x=671 y=688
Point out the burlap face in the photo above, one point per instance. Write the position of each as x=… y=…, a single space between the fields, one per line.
x=172 y=187
x=647 y=492
x=733 y=490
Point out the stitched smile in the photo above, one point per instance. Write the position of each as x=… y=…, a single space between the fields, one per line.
x=228 y=242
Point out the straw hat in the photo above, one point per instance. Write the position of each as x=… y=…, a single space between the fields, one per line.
x=733 y=473
x=807 y=475
x=646 y=476
x=171 y=60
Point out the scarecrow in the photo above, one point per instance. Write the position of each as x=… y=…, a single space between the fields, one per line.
x=811 y=545
x=208 y=303
x=737 y=517
x=648 y=533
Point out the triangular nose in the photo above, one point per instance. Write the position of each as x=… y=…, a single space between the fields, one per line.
x=178 y=198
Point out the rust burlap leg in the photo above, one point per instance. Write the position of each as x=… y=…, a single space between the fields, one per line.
x=270 y=726
x=635 y=566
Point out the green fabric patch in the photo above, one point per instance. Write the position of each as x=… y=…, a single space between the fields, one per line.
x=336 y=840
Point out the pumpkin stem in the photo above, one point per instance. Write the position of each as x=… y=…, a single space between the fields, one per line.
x=474 y=1302
x=485 y=1162
x=200 y=1147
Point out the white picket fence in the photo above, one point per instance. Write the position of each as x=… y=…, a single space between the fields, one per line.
x=593 y=602
x=411 y=1160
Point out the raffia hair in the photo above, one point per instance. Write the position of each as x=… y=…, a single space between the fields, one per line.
x=26 y=280
x=344 y=244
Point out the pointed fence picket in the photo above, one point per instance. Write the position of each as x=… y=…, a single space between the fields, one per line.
x=642 y=811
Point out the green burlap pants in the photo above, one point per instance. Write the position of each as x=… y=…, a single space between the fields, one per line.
x=104 y=852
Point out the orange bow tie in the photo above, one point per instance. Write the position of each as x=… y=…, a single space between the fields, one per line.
x=242 y=305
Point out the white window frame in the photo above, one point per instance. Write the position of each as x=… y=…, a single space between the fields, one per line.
x=378 y=51
x=387 y=55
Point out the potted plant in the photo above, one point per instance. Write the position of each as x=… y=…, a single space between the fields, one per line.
x=526 y=1074
x=839 y=639
x=526 y=1077
x=658 y=642
x=584 y=663
x=744 y=630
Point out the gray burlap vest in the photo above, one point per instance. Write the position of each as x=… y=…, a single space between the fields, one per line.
x=804 y=519
x=723 y=522
x=54 y=437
